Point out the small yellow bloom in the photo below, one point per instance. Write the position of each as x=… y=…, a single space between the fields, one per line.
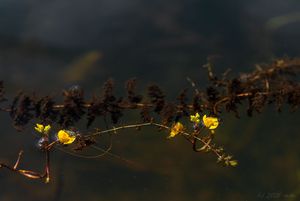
x=210 y=122
x=65 y=137
x=42 y=129
x=47 y=128
x=233 y=163
x=47 y=180
x=39 y=128
x=176 y=128
x=195 y=118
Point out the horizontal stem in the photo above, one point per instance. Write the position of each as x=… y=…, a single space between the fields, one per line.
x=114 y=130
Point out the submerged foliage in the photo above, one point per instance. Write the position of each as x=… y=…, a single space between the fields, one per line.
x=269 y=84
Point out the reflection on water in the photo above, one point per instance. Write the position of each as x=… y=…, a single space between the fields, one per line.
x=48 y=46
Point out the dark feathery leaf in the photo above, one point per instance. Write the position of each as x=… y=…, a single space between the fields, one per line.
x=131 y=94
x=157 y=97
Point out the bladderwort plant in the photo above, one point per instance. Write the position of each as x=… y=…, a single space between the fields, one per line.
x=269 y=84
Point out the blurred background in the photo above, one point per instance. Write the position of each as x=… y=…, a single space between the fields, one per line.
x=47 y=46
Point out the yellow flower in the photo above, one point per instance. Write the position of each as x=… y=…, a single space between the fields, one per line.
x=65 y=137
x=195 y=118
x=176 y=128
x=233 y=163
x=210 y=122
x=42 y=129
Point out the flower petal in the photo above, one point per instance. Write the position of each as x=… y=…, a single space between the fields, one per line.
x=39 y=128
x=64 y=137
x=233 y=163
x=47 y=128
x=210 y=122
x=176 y=129
x=195 y=118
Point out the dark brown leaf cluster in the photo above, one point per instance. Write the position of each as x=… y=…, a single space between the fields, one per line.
x=21 y=110
x=105 y=104
x=45 y=110
x=73 y=108
x=168 y=113
x=157 y=98
x=182 y=106
x=83 y=142
x=270 y=84
x=213 y=94
x=276 y=83
x=257 y=102
x=131 y=92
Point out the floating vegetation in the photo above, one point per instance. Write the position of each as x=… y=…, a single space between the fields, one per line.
x=269 y=84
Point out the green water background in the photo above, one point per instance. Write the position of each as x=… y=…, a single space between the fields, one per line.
x=46 y=46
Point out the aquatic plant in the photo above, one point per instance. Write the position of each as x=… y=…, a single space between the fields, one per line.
x=195 y=115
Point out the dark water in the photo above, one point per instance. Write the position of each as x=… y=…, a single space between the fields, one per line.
x=46 y=46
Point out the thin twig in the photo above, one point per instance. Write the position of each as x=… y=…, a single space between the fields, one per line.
x=113 y=130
